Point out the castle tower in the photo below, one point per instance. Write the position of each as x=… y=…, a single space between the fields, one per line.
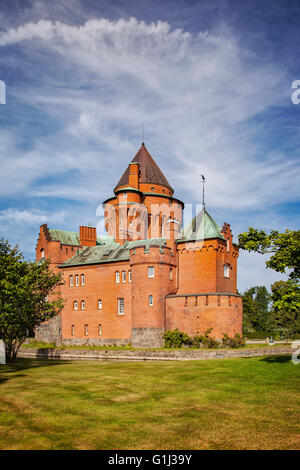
x=143 y=202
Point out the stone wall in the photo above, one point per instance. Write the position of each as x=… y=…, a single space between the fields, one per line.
x=147 y=337
x=50 y=331
x=150 y=355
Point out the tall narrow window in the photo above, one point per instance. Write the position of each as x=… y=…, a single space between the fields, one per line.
x=86 y=330
x=117 y=277
x=99 y=304
x=228 y=245
x=123 y=276
x=71 y=281
x=83 y=305
x=226 y=270
x=76 y=280
x=75 y=305
x=82 y=279
x=151 y=300
x=121 y=306
x=171 y=274
x=150 y=271
x=73 y=330
x=42 y=253
x=129 y=275
x=100 y=330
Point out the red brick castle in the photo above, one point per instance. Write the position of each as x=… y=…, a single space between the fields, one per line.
x=147 y=275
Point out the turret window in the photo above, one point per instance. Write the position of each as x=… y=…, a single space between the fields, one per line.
x=150 y=271
x=226 y=270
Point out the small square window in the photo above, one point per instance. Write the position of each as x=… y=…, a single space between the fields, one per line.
x=150 y=271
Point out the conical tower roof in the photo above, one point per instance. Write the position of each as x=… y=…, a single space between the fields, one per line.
x=149 y=170
x=201 y=227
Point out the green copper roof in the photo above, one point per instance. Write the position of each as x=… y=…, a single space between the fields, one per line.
x=64 y=236
x=110 y=252
x=201 y=227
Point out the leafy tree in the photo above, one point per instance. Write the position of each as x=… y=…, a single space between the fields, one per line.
x=27 y=296
x=284 y=249
x=256 y=302
x=285 y=258
x=286 y=307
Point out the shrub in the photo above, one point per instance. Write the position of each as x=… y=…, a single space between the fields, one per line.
x=176 y=339
x=208 y=341
x=237 y=341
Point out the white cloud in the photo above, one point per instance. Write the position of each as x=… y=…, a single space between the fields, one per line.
x=26 y=217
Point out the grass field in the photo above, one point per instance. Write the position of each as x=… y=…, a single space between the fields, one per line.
x=215 y=404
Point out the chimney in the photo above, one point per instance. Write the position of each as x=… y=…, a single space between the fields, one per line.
x=134 y=175
x=87 y=235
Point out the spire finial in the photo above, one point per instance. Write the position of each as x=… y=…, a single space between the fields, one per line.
x=203 y=181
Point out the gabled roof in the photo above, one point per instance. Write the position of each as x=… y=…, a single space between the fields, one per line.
x=149 y=170
x=110 y=251
x=64 y=236
x=202 y=226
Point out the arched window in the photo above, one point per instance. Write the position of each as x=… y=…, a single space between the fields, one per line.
x=100 y=304
x=71 y=282
x=75 y=305
x=123 y=276
x=83 y=305
x=73 y=330
x=42 y=253
x=86 y=330
x=76 y=280
x=151 y=300
x=129 y=275
x=82 y=279
x=226 y=270
x=100 y=330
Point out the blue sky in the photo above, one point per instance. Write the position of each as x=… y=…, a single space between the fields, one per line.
x=211 y=81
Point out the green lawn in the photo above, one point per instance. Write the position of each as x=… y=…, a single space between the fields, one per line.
x=215 y=404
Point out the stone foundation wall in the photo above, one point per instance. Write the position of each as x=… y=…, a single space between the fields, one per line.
x=147 y=337
x=50 y=331
x=95 y=342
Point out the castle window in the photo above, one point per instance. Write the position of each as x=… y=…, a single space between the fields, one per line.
x=86 y=330
x=42 y=253
x=76 y=280
x=100 y=304
x=152 y=188
x=228 y=246
x=71 y=282
x=171 y=274
x=121 y=306
x=83 y=305
x=151 y=300
x=100 y=330
x=150 y=271
x=117 y=277
x=82 y=279
x=123 y=276
x=226 y=270
x=129 y=276
x=75 y=305
x=73 y=330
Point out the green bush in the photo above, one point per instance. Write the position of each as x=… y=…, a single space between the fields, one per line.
x=236 y=342
x=176 y=339
x=208 y=341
